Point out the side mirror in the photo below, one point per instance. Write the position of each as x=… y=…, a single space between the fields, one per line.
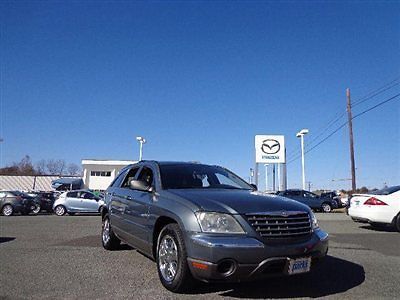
x=254 y=186
x=140 y=185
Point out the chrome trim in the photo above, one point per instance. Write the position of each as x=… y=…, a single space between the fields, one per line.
x=268 y=260
x=227 y=242
x=279 y=213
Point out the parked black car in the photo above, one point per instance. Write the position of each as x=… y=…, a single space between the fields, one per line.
x=334 y=196
x=314 y=201
x=44 y=201
x=16 y=202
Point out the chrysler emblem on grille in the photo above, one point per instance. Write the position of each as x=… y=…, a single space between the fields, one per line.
x=284 y=214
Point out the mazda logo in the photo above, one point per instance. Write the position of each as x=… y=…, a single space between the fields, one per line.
x=270 y=146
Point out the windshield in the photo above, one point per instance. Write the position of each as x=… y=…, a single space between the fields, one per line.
x=387 y=191
x=188 y=176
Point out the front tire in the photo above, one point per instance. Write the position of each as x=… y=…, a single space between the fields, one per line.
x=7 y=210
x=171 y=257
x=108 y=237
x=326 y=207
x=60 y=210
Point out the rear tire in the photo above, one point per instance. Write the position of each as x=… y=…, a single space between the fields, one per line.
x=397 y=223
x=171 y=258
x=36 y=210
x=7 y=210
x=108 y=237
x=326 y=207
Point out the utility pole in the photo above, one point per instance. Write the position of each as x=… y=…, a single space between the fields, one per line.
x=353 y=167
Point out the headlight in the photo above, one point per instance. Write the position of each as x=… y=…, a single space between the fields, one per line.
x=218 y=223
x=314 y=222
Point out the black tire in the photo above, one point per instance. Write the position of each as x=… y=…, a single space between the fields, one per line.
x=60 y=210
x=36 y=210
x=397 y=223
x=71 y=214
x=326 y=207
x=7 y=210
x=108 y=238
x=182 y=280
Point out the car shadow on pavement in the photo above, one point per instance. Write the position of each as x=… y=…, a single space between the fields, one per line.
x=91 y=241
x=6 y=239
x=386 y=228
x=332 y=276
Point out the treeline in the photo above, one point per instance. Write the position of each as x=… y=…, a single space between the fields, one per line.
x=42 y=167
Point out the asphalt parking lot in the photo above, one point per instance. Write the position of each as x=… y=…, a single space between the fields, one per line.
x=46 y=256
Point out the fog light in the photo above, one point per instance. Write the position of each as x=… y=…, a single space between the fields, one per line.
x=226 y=267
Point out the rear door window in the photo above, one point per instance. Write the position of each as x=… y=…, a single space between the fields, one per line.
x=72 y=194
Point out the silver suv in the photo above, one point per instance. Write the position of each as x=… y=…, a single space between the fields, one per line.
x=202 y=222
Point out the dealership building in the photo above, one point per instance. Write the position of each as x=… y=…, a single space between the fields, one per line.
x=98 y=174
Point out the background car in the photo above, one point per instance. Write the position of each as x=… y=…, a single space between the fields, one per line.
x=312 y=200
x=377 y=208
x=80 y=201
x=15 y=202
x=44 y=201
x=334 y=196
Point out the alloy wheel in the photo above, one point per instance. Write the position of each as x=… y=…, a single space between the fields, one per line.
x=7 y=210
x=106 y=231
x=168 y=258
x=60 y=210
x=326 y=208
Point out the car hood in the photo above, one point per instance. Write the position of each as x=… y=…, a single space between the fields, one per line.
x=238 y=201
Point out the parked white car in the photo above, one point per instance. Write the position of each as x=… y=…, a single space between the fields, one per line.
x=380 y=207
x=79 y=201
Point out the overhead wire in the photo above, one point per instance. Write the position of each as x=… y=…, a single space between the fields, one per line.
x=343 y=125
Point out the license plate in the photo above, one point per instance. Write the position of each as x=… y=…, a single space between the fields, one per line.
x=357 y=202
x=299 y=265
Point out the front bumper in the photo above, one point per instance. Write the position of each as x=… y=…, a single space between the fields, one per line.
x=219 y=258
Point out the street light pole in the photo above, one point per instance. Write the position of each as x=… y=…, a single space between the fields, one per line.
x=301 y=135
x=141 y=141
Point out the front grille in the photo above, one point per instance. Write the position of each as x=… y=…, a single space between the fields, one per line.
x=281 y=225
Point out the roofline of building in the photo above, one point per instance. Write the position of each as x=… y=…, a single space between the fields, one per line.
x=107 y=162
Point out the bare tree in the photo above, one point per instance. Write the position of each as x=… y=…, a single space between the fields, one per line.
x=73 y=169
x=41 y=167
x=56 y=167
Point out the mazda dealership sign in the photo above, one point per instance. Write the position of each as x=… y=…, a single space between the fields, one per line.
x=270 y=149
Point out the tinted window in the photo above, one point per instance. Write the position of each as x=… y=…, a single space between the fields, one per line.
x=131 y=175
x=200 y=176
x=293 y=193
x=309 y=195
x=72 y=194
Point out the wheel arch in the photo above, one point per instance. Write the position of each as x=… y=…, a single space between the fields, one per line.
x=161 y=222
x=104 y=211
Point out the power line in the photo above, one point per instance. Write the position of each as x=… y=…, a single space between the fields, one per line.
x=375 y=94
x=375 y=106
x=344 y=124
x=333 y=121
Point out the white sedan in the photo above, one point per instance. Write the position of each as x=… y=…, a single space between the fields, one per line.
x=380 y=207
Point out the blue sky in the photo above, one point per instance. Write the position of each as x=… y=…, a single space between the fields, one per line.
x=199 y=80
